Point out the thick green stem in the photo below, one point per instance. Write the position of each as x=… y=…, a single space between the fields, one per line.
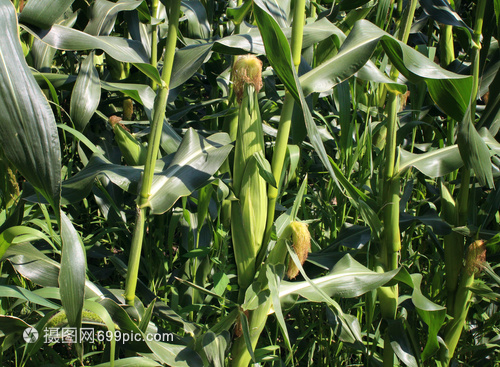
x=461 y=308
x=459 y=305
x=285 y=118
x=278 y=160
x=153 y=147
x=446 y=46
x=154 y=39
x=258 y=317
x=391 y=241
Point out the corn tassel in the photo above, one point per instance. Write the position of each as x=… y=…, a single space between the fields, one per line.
x=248 y=214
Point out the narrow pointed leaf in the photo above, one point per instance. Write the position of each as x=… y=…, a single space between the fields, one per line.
x=40 y=269
x=273 y=274
x=450 y=91
x=194 y=163
x=401 y=344
x=72 y=274
x=347 y=279
x=103 y=15
x=86 y=94
x=431 y=313
x=65 y=38
x=175 y=355
x=44 y=13
x=196 y=160
x=215 y=347
x=17 y=234
x=121 y=49
x=26 y=295
x=42 y=53
x=441 y=11
x=196 y=17
x=435 y=163
x=474 y=151
x=264 y=168
x=28 y=132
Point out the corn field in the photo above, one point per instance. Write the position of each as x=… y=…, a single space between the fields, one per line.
x=258 y=182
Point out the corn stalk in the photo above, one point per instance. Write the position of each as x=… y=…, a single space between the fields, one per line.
x=391 y=242
x=250 y=251
x=461 y=276
x=285 y=118
x=152 y=153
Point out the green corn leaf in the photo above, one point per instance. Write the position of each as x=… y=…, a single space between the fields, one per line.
x=432 y=314
x=264 y=168
x=143 y=94
x=215 y=347
x=441 y=11
x=42 y=53
x=103 y=15
x=191 y=168
x=17 y=234
x=122 y=49
x=175 y=355
x=450 y=91
x=28 y=132
x=400 y=343
x=196 y=17
x=347 y=279
x=65 y=38
x=246 y=334
x=474 y=151
x=435 y=163
x=274 y=274
x=196 y=160
x=26 y=296
x=12 y=324
x=44 y=13
x=72 y=274
x=86 y=93
x=104 y=315
x=238 y=14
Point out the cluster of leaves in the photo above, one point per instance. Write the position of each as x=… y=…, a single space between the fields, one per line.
x=70 y=69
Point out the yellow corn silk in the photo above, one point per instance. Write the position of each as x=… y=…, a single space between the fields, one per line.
x=249 y=212
x=301 y=239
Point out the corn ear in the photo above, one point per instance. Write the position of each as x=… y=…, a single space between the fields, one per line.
x=132 y=150
x=248 y=214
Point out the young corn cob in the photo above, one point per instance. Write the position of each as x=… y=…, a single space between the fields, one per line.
x=132 y=150
x=248 y=214
x=301 y=239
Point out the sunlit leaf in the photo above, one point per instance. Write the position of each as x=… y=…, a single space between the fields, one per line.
x=28 y=132
x=435 y=163
x=86 y=93
x=44 y=13
x=103 y=15
x=474 y=151
x=72 y=274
